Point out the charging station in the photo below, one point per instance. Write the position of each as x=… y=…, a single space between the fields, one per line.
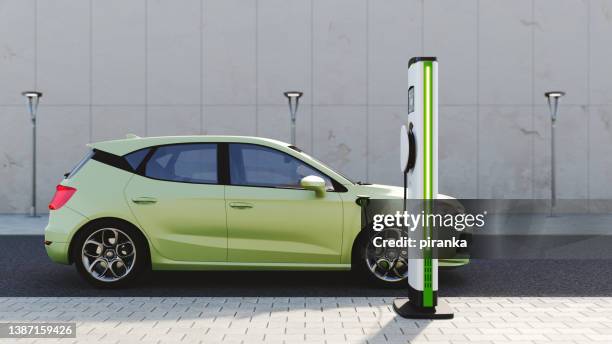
x=419 y=163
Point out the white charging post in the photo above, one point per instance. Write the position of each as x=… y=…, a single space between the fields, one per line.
x=419 y=163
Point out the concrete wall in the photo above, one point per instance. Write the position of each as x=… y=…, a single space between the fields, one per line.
x=162 y=67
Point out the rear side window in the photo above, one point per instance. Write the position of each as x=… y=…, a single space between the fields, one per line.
x=78 y=166
x=188 y=163
x=136 y=158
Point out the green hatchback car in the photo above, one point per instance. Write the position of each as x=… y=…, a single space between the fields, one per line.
x=213 y=203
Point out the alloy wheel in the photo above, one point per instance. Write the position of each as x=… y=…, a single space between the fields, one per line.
x=108 y=254
x=389 y=264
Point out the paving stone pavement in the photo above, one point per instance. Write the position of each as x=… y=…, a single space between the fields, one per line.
x=313 y=320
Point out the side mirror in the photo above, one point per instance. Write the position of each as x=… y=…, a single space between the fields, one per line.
x=314 y=183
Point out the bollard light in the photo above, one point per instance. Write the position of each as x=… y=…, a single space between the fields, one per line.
x=553 y=107
x=33 y=98
x=293 y=97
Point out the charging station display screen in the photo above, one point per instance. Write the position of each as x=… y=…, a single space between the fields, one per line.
x=411 y=99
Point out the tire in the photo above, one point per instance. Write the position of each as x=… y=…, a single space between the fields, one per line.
x=110 y=253
x=360 y=265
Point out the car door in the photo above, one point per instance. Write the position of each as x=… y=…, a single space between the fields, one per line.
x=178 y=200
x=271 y=219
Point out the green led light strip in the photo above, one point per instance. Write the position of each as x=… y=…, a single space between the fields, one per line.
x=427 y=176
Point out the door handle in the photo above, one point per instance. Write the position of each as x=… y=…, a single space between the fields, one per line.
x=240 y=205
x=144 y=200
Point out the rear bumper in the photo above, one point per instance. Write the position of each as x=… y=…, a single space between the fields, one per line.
x=58 y=252
x=63 y=223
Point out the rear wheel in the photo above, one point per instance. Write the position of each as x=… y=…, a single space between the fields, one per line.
x=110 y=254
x=383 y=266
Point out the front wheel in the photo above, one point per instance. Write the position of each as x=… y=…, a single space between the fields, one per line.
x=109 y=254
x=383 y=266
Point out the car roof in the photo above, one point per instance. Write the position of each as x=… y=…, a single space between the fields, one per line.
x=133 y=143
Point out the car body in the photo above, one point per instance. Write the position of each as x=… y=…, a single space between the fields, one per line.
x=209 y=203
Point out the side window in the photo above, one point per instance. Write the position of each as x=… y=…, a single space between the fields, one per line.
x=252 y=165
x=191 y=163
x=135 y=158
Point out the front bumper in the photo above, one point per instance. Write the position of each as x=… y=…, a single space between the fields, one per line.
x=63 y=223
x=451 y=263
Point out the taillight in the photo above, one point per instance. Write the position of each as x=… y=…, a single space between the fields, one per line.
x=62 y=195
